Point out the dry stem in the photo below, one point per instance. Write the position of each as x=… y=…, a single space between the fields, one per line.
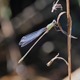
x=69 y=21
x=56 y=57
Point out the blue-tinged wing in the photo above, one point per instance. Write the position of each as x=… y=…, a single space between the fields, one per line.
x=25 y=40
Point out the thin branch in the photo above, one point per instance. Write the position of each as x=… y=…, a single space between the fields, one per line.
x=56 y=57
x=69 y=21
x=60 y=27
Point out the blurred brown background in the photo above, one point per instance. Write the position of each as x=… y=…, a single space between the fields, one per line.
x=20 y=17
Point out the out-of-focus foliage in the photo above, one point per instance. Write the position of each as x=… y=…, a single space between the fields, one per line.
x=79 y=2
x=5 y=11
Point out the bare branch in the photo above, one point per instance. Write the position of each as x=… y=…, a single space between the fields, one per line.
x=60 y=27
x=56 y=57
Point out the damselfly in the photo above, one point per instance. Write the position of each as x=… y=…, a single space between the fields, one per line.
x=25 y=40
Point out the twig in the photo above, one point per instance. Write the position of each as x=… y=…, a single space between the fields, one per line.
x=56 y=6
x=69 y=21
x=60 y=27
x=56 y=57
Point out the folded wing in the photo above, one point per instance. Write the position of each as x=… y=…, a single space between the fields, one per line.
x=25 y=40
